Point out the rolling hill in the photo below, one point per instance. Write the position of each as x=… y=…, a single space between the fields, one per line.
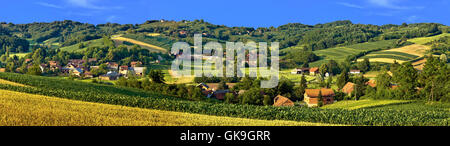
x=22 y=109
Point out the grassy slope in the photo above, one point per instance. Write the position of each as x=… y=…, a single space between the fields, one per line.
x=352 y=104
x=340 y=53
x=36 y=110
x=424 y=40
x=91 y=43
x=140 y=43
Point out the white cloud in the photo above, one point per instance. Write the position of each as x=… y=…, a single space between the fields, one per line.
x=350 y=5
x=111 y=18
x=90 y=4
x=49 y=5
x=392 y=4
x=412 y=19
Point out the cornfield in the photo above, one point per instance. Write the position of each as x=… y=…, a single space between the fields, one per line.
x=137 y=98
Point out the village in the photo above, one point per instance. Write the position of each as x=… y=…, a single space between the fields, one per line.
x=78 y=68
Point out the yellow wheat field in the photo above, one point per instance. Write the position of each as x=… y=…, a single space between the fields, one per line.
x=415 y=49
x=22 y=109
x=139 y=43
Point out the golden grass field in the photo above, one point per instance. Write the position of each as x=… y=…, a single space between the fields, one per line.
x=353 y=104
x=119 y=38
x=424 y=40
x=415 y=49
x=22 y=109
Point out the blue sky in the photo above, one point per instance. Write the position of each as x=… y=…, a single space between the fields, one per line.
x=257 y=13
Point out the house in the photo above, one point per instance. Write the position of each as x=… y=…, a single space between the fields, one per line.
x=136 y=64
x=203 y=86
x=123 y=69
x=92 y=60
x=215 y=86
x=2 y=70
x=42 y=67
x=54 y=65
x=94 y=67
x=311 y=97
x=111 y=75
x=183 y=32
x=28 y=60
x=139 y=70
x=371 y=83
x=300 y=70
x=354 y=71
x=77 y=71
x=220 y=94
x=313 y=71
x=282 y=101
x=112 y=65
x=88 y=75
x=348 y=88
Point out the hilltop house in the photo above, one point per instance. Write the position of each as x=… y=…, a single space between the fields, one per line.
x=348 y=88
x=77 y=72
x=371 y=83
x=123 y=70
x=313 y=71
x=138 y=70
x=355 y=71
x=311 y=97
x=111 y=75
x=300 y=70
x=282 y=101
x=112 y=65
x=135 y=64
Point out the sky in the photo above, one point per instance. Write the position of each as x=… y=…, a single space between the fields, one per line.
x=249 y=13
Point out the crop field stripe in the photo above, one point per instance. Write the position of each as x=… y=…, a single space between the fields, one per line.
x=37 y=110
x=140 y=43
x=395 y=53
x=388 y=56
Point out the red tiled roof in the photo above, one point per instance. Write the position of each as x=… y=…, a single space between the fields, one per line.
x=282 y=101
x=314 y=69
x=348 y=88
x=371 y=83
x=315 y=92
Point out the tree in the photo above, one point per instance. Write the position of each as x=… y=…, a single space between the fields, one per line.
x=364 y=65
x=229 y=98
x=267 y=100
x=157 y=76
x=342 y=79
x=320 y=98
x=359 y=87
x=406 y=77
x=252 y=96
x=329 y=82
x=443 y=58
x=435 y=80
x=222 y=85
x=34 y=70
x=300 y=90
x=323 y=69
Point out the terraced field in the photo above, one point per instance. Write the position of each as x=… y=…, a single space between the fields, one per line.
x=340 y=53
x=402 y=54
x=22 y=109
